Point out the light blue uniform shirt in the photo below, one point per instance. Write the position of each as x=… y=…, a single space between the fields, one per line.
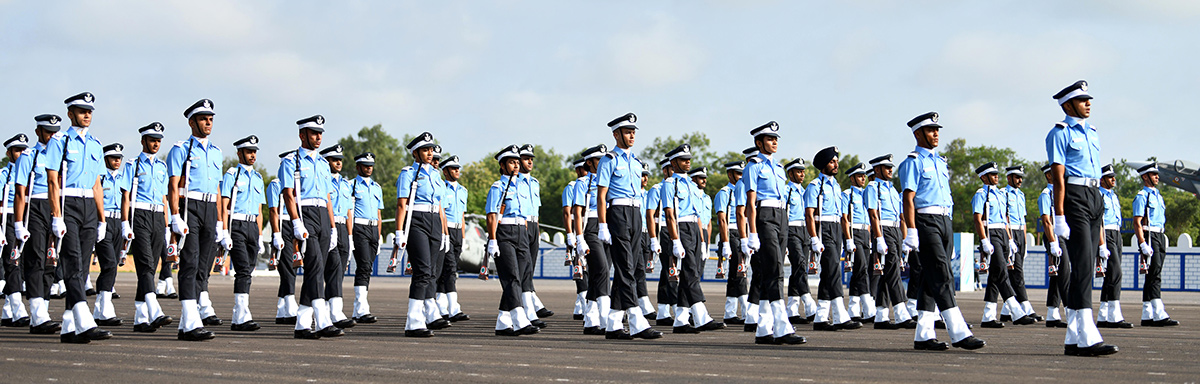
x=726 y=201
x=342 y=201
x=455 y=201
x=504 y=190
x=84 y=158
x=654 y=200
x=677 y=194
x=25 y=165
x=1149 y=204
x=824 y=194
x=151 y=175
x=703 y=204
x=1015 y=205
x=568 y=194
x=1075 y=144
x=274 y=195
x=315 y=179
x=795 y=202
x=991 y=199
x=766 y=178
x=1046 y=201
x=110 y=186
x=368 y=198
x=249 y=186
x=927 y=175
x=6 y=177
x=585 y=192
x=531 y=191
x=882 y=196
x=854 y=207
x=204 y=173
x=1112 y=207
x=429 y=184
x=621 y=172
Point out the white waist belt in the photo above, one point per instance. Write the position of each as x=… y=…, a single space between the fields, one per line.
x=628 y=202
x=313 y=202
x=592 y=215
x=1115 y=227
x=113 y=214
x=243 y=217
x=689 y=219
x=284 y=217
x=1084 y=181
x=77 y=192
x=424 y=208
x=935 y=210
x=796 y=223
x=997 y=226
x=889 y=223
x=512 y=221
x=148 y=206
x=42 y=196
x=208 y=197
x=861 y=227
x=771 y=203
x=451 y=225
x=830 y=218
x=366 y=222
x=6 y=210
x=1153 y=229
x=1017 y=227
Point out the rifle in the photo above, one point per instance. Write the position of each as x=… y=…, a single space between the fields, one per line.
x=298 y=245
x=847 y=256
x=403 y=243
x=52 y=251
x=672 y=269
x=177 y=240
x=20 y=248
x=1052 y=263
x=877 y=265
x=1007 y=214
x=483 y=268
x=273 y=261
x=981 y=264
x=4 y=204
x=133 y=184
x=222 y=255
x=728 y=210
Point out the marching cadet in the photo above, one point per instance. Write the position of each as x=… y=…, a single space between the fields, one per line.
x=368 y=205
x=766 y=222
x=455 y=204
x=80 y=226
x=668 y=280
x=112 y=241
x=618 y=184
x=647 y=253
x=826 y=230
x=1058 y=267
x=1149 y=219
x=335 y=268
x=307 y=193
x=418 y=190
x=507 y=241
x=725 y=203
x=196 y=218
x=753 y=281
x=570 y=221
x=991 y=225
x=862 y=305
x=925 y=185
x=1110 y=295
x=1014 y=205
x=32 y=214
x=13 y=278
x=146 y=185
x=242 y=194
x=798 y=254
x=1073 y=149
x=531 y=190
x=282 y=251
x=883 y=207
x=587 y=243
x=699 y=177
x=681 y=207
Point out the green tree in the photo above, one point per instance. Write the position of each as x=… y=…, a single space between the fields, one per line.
x=390 y=157
x=963 y=160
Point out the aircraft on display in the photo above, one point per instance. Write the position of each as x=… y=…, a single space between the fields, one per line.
x=1180 y=174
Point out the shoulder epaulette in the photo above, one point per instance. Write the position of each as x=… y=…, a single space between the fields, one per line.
x=1142 y=192
x=913 y=154
x=610 y=155
x=498 y=184
x=179 y=144
x=1060 y=125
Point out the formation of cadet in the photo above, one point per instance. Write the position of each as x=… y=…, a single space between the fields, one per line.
x=64 y=196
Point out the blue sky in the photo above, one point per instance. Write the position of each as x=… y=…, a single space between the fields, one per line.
x=480 y=74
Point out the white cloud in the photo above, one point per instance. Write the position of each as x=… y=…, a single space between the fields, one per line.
x=654 y=55
x=1009 y=63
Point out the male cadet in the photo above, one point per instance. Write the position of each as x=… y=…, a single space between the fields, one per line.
x=282 y=251
x=75 y=161
x=531 y=190
x=455 y=204
x=826 y=230
x=618 y=185
x=883 y=207
x=681 y=206
x=368 y=203
x=1014 y=205
x=753 y=281
x=1110 y=294
x=146 y=184
x=766 y=221
x=862 y=305
x=242 y=194
x=12 y=280
x=588 y=245
x=1058 y=267
x=335 y=268
x=725 y=203
x=699 y=177
x=668 y=278
x=418 y=192
x=570 y=221
x=32 y=214
x=113 y=239
x=798 y=253
x=647 y=253
x=925 y=185
x=991 y=225
x=1149 y=219
x=1073 y=147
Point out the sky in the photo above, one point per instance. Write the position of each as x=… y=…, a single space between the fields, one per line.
x=482 y=74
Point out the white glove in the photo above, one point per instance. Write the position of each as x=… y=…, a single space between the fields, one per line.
x=226 y=240
x=221 y=234
x=277 y=240
x=101 y=230
x=985 y=246
x=1104 y=253
x=655 y=246
x=59 y=227
x=1055 y=249
x=677 y=248
x=445 y=242
x=493 y=248
x=725 y=251
x=850 y=246
x=745 y=246
x=21 y=233
x=1012 y=247
x=911 y=239
x=1060 y=227
x=126 y=230
x=178 y=225
x=333 y=238
x=400 y=240
x=755 y=245
x=904 y=248
x=1146 y=250
x=570 y=240
x=817 y=246
x=298 y=230
x=605 y=237
x=881 y=245
x=581 y=246
x=167 y=235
